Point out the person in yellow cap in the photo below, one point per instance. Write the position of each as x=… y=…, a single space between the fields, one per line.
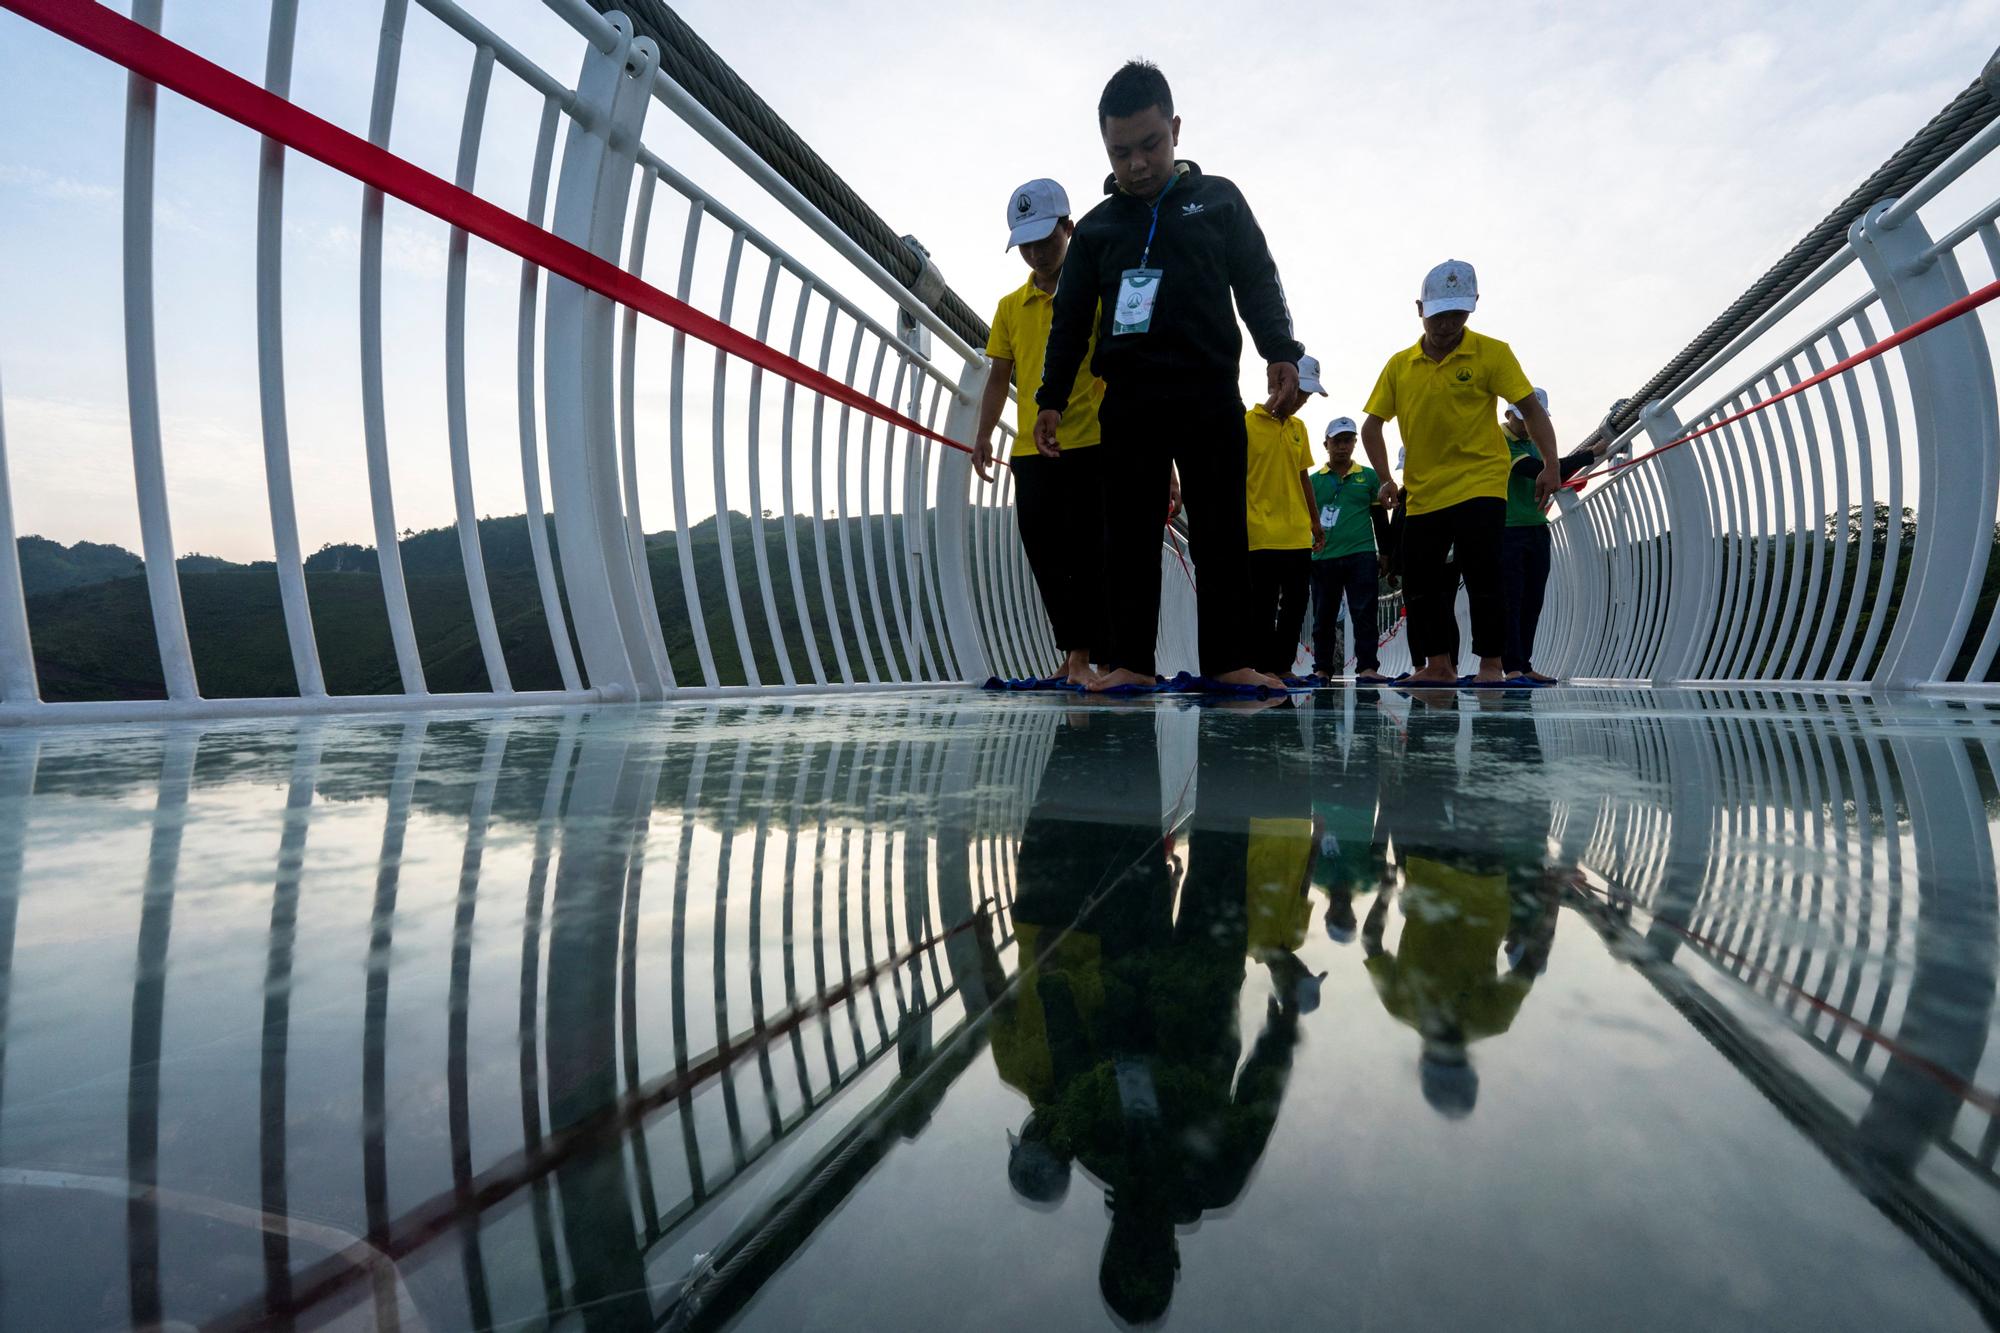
x=1283 y=523
x=1444 y=394
x=1058 y=500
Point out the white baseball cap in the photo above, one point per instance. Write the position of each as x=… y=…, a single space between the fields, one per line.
x=1340 y=426
x=1541 y=396
x=1309 y=375
x=1452 y=285
x=1033 y=211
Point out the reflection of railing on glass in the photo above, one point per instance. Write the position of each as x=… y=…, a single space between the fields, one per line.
x=1878 y=951
x=820 y=899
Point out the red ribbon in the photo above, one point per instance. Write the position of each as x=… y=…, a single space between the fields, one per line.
x=151 y=56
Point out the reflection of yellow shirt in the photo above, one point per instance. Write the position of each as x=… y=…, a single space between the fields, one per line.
x=1444 y=974
x=1448 y=414
x=1020 y=332
x=1280 y=855
x=1274 y=502
x=1019 y=1031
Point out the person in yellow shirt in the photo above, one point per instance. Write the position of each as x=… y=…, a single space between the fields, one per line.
x=1284 y=525
x=1443 y=393
x=1058 y=498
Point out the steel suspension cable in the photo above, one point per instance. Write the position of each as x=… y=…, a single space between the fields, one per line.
x=1962 y=118
x=1963 y=306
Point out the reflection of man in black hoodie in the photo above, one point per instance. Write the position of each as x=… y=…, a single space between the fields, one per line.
x=1150 y=1102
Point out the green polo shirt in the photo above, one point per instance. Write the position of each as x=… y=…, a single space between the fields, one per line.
x=1344 y=504
x=1523 y=511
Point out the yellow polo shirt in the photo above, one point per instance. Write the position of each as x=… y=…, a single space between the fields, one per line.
x=1448 y=412
x=1276 y=869
x=1021 y=334
x=1445 y=973
x=1274 y=505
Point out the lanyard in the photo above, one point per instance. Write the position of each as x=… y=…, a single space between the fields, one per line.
x=1147 y=253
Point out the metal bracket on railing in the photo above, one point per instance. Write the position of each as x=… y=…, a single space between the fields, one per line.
x=1950 y=373
x=1605 y=428
x=928 y=287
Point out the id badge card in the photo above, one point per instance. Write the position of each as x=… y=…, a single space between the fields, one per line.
x=1138 y=288
x=1329 y=515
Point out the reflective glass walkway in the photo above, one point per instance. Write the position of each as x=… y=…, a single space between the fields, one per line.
x=1585 y=1008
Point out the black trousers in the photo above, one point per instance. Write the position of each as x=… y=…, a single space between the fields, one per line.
x=1059 y=506
x=1524 y=578
x=1148 y=430
x=1280 y=584
x=1472 y=530
x=1355 y=577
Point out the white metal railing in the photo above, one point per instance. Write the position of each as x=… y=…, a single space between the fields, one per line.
x=892 y=563
x=1842 y=535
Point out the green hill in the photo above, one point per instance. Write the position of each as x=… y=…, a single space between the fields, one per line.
x=91 y=620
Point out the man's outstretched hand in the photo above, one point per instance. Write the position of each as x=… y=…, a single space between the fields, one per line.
x=1045 y=433
x=1548 y=483
x=1282 y=378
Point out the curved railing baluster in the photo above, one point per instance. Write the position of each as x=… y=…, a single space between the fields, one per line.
x=759 y=551
x=524 y=381
x=469 y=550
x=142 y=381
x=374 y=413
x=683 y=538
x=724 y=544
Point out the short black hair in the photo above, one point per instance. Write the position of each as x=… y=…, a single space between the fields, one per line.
x=1137 y=85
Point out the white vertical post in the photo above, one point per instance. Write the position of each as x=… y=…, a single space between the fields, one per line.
x=1950 y=374
x=577 y=371
x=954 y=543
x=1690 y=594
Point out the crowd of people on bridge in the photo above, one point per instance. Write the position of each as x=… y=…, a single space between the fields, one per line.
x=1124 y=352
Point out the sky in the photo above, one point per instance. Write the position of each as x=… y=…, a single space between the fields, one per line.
x=1617 y=173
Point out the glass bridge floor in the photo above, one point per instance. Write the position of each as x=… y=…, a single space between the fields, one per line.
x=1587 y=1008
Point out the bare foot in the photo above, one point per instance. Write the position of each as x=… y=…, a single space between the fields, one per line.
x=1245 y=676
x=1371 y=678
x=1111 y=680
x=1432 y=675
x=1538 y=676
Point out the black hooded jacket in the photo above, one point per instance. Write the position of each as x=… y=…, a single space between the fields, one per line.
x=1206 y=244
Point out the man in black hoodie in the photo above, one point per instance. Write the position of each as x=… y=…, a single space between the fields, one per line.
x=1155 y=265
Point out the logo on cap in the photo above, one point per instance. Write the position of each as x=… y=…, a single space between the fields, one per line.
x=1023 y=205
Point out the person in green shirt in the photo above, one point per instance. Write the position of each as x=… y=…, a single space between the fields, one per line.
x=1524 y=546
x=1346 y=563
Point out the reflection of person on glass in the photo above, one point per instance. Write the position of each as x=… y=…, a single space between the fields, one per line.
x=1145 y=1093
x=1465 y=901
